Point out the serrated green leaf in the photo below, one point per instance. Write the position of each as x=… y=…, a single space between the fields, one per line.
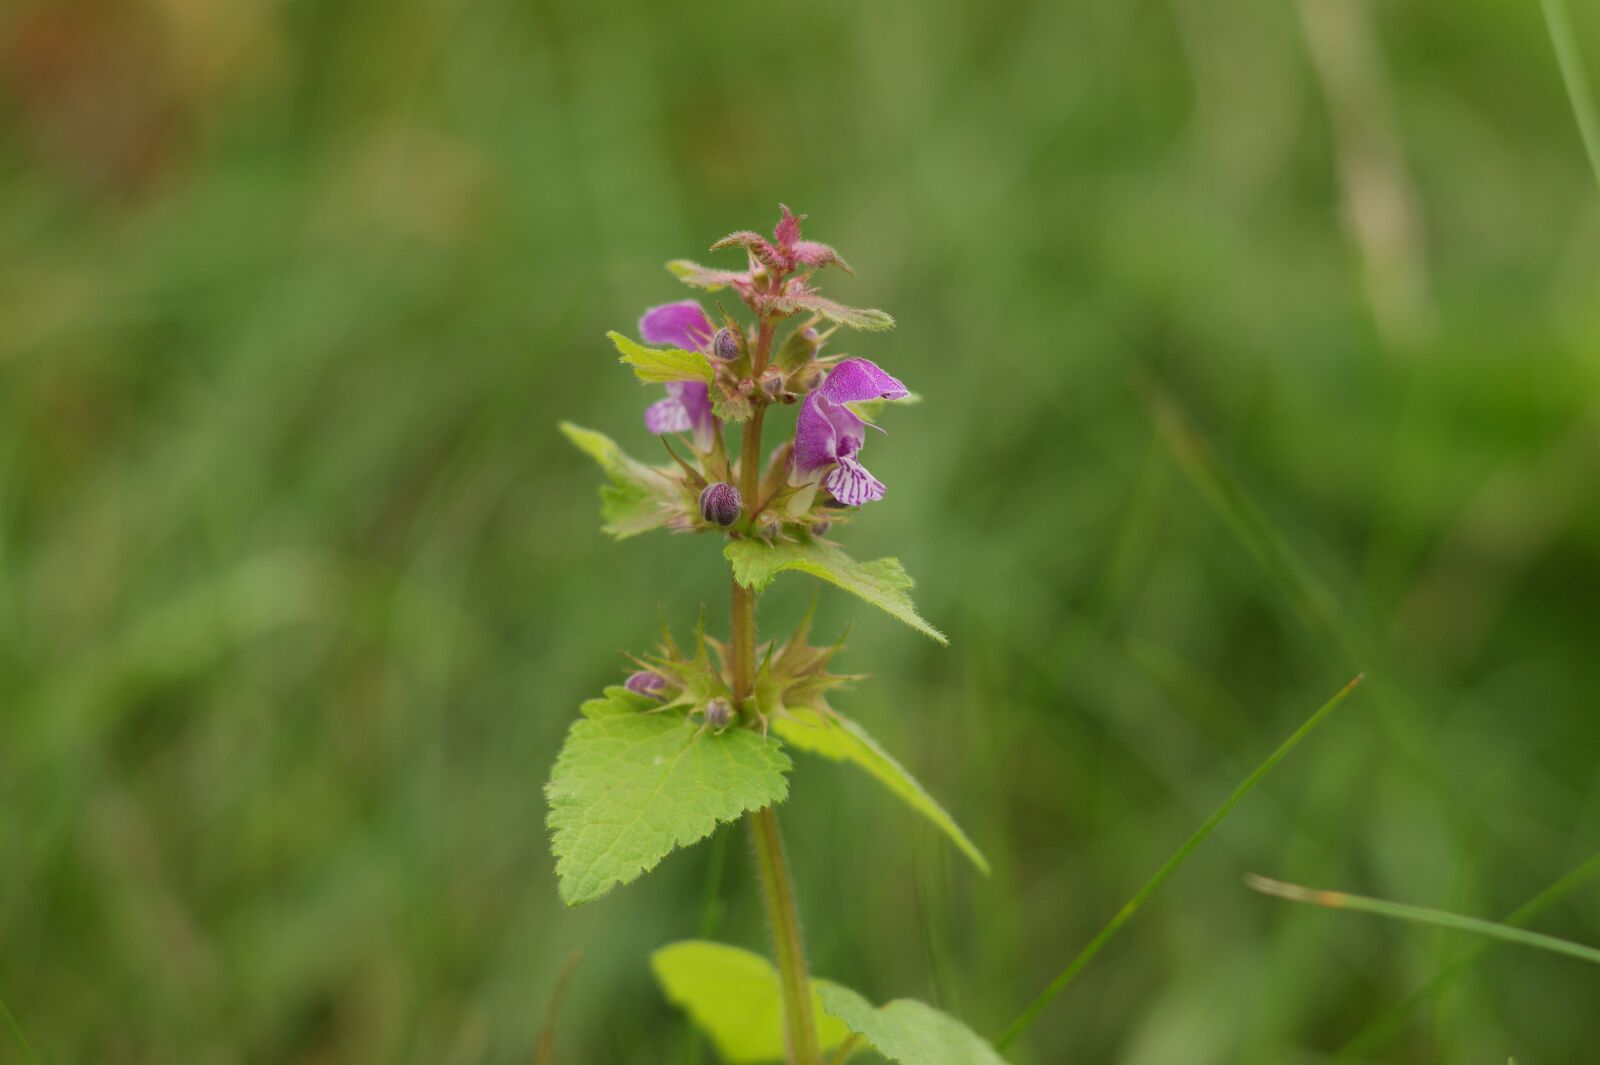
x=882 y=582
x=908 y=1031
x=630 y=786
x=869 y=319
x=691 y=273
x=832 y=735
x=730 y=406
x=639 y=497
x=659 y=366
x=733 y=997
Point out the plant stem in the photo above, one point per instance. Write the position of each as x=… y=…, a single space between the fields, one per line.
x=777 y=890
x=744 y=644
x=744 y=600
x=800 y=1027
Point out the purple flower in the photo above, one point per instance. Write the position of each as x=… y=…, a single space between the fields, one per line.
x=682 y=324
x=687 y=407
x=828 y=435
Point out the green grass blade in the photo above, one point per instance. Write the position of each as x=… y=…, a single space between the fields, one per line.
x=1381 y=1029
x=1131 y=907
x=1574 y=77
x=1317 y=607
x=16 y=1035
x=1400 y=911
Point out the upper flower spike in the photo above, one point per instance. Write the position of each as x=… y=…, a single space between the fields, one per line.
x=786 y=252
x=687 y=407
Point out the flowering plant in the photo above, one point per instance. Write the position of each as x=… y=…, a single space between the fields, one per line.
x=699 y=736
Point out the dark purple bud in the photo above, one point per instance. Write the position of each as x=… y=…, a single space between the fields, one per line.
x=772 y=382
x=719 y=714
x=820 y=528
x=646 y=683
x=768 y=525
x=725 y=345
x=720 y=503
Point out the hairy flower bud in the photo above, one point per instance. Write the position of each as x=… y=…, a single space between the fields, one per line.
x=646 y=683
x=719 y=715
x=820 y=528
x=772 y=382
x=725 y=345
x=720 y=503
x=768 y=525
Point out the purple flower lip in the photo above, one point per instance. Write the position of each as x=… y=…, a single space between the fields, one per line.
x=687 y=408
x=644 y=682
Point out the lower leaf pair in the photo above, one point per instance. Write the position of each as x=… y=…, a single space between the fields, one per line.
x=634 y=781
x=733 y=996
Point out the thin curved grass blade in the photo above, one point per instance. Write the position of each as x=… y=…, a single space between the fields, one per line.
x=1131 y=907
x=1364 y=1043
x=16 y=1035
x=1400 y=911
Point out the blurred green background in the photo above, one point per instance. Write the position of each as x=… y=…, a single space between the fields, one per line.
x=300 y=587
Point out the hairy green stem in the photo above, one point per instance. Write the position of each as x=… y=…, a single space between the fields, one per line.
x=800 y=1026
x=744 y=600
x=777 y=889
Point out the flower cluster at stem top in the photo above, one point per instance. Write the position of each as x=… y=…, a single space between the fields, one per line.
x=811 y=480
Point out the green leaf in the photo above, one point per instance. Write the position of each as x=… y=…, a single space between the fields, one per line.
x=702 y=276
x=882 y=582
x=730 y=406
x=629 y=786
x=908 y=1031
x=866 y=318
x=870 y=410
x=832 y=735
x=733 y=997
x=639 y=497
x=658 y=366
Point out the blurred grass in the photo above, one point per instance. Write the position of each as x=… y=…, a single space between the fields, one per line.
x=299 y=586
